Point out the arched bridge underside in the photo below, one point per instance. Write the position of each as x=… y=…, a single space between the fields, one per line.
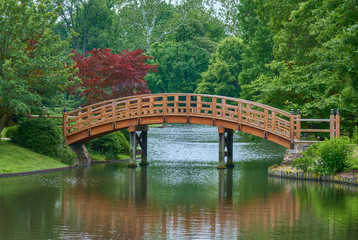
x=95 y=120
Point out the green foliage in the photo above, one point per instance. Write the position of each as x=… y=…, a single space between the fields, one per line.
x=179 y=67
x=44 y=136
x=315 y=45
x=328 y=157
x=224 y=69
x=354 y=137
x=109 y=146
x=32 y=58
x=303 y=163
x=258 y=41
x=12 y=132
x=334 y=155
x=123 y=142
x=40 y=135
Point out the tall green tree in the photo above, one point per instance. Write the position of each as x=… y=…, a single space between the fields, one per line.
x=179 y=67
x=315 y=48
x=224 y=69
x=32 y=59
x=258 y=41
x=141 y=23
x=87 y=22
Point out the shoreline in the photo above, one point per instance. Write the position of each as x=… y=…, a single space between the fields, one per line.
x=289 y=172
x=27 y=173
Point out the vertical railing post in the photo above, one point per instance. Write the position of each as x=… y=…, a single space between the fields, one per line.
x=198 y=105
x=338 y=124
x=239 y=112
x=273 y=121
x=331 y=125
x=176 y=104
x=113 y=110
x=213 y=107
x=139 y=102
x=89 y=116
x=187 y=103
x=292 y=128
x=265 y=119
x=165 y=110
x=298 y=125
x=64 y=121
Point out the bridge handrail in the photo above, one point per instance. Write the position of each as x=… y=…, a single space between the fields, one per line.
x=282 y=112
x=230 y=109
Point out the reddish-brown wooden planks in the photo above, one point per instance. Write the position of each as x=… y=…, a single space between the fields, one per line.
x=231 y=113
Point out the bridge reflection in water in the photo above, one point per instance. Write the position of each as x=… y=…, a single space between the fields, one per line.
x=135 y=217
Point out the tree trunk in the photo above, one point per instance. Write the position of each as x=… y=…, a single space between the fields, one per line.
x=2 y=123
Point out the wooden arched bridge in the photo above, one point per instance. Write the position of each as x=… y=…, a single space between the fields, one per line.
x=228 y=114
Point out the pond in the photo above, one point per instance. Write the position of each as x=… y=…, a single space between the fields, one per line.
x=180 y=195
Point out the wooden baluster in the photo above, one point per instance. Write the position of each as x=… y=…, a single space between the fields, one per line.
x=64 y=120
x=127 y=109
x=79 y=122
x=213 y=106
x=113 y=110
x=151 y=105
x=331 y=125
x=298 y=125
x=223 y=108
x=187 y=97
x=265 y=119
x=198 y=105
x=338 y=124
x=139 y=104
x=240 y=112
x=273 y=121
x=89 y=116
x=165 y=98
x=176 y=104
x=292 y=128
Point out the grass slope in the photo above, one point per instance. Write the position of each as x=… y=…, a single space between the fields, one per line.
x=17 y=159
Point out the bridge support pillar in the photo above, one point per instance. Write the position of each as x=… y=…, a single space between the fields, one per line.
x=136 y=140
x=225 y=142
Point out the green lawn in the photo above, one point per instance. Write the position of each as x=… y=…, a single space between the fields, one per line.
x=17 y=159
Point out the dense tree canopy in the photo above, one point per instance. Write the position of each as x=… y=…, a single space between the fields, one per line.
x=288 y=54
x=32 y=59
x=179 y=67
x=224 y=69
x=315 y=48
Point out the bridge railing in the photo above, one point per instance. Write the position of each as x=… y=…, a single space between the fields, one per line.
x=229 y=109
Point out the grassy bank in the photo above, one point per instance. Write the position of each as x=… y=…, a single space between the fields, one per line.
x=15 y=159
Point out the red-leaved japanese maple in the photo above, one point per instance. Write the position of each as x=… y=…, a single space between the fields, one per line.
x=106 y=75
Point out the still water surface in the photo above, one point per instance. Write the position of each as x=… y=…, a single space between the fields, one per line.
x=180 y=195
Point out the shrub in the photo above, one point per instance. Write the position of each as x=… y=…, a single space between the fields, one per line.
x=12 y=133
x=107 y=145
x=45 y=137
x=334 y=155
x=126 y=134
x=123 y=142
x=41 y=135
x=355 y=135
x=328 y=157
x=303 y=163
